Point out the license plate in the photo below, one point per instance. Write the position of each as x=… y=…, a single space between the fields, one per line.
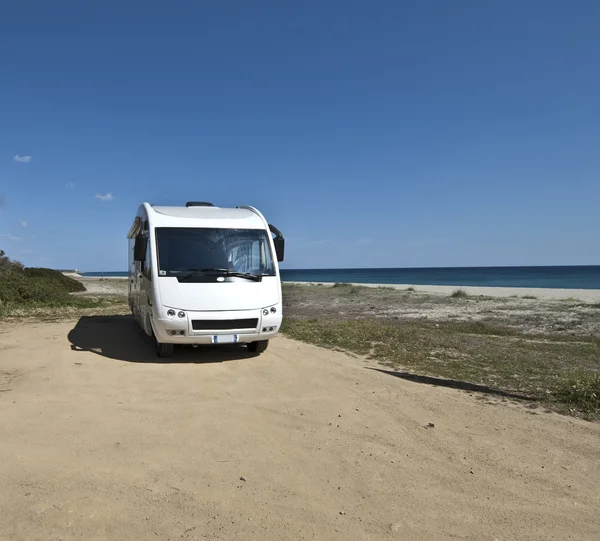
x=225 y=339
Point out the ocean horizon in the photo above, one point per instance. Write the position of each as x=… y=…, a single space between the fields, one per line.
x=556 y=277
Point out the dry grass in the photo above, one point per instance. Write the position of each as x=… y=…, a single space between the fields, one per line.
x=546 y=352
x=459 y=294
x=514 y=352
x=581 y=394
x=75 y=307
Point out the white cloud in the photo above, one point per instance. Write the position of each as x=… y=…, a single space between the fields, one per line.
x=22 y=159
x=10 y=237
x=24 y=224
x=70 y=185
x=107 y=197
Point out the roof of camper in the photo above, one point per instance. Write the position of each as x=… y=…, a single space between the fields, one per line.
x=203 y=216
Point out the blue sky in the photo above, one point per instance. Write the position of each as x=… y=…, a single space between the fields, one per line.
x=372 y=133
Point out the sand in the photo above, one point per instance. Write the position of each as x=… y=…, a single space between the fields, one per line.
x=585 y=295
x=99 y=441
x=108 y=285
x=118 y=284
x=115 y=285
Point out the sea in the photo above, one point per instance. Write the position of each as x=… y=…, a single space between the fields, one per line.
x=564 y=277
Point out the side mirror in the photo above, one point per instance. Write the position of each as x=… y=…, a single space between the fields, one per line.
x=279 y=243
x=139 y=249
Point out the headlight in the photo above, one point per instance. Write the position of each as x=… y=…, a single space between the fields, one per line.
x=181 y=314
x=171 y=313
x=273 y=309
x=265 y=312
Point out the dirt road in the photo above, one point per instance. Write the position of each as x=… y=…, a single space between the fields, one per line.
x=99 y=441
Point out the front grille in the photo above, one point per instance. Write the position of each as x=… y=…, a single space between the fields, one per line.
x=224 y=324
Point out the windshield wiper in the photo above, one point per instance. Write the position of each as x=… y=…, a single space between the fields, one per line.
x=223 y=272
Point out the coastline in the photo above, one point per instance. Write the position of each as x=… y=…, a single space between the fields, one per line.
x=584 y=295
x=96 y=285
x=82 y=278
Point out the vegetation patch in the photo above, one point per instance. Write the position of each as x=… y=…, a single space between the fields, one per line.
x=513 y=348
x=22 y=288
x=580 y=393
x=459 y=294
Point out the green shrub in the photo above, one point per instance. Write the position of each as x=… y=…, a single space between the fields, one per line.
x=10 y=284
x=26 y=286
x=459 y=294
x=581 y=393
x=68 y=284
x=40 y=289
x=8 y=265
x=18 y=288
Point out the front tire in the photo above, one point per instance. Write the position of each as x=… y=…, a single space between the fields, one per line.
x=258 y=347
x=163 y=350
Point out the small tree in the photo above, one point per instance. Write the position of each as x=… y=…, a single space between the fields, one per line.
x=7 y=265
x=3 y=259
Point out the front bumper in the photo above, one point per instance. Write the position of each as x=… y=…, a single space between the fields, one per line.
x=176 y=330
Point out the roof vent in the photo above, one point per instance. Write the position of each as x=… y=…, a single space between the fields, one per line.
x=199 y=204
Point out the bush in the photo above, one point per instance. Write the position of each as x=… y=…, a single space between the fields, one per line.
x=21 y=286
x=17 y=288
x=67 y=283
x=7 y=265
x=10 y=282
x=459 y=294
x=581 y=393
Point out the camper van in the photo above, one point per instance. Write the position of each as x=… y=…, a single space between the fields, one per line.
x=199 y=274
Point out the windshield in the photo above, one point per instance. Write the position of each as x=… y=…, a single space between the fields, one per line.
x=183 y=250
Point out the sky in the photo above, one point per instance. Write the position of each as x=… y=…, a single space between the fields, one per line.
x=371 y=133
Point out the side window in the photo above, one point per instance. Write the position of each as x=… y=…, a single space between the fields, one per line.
x=148 y=261
x=131 y=259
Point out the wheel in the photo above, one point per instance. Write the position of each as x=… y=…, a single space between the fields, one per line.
x=163 y=350
x=258 y=347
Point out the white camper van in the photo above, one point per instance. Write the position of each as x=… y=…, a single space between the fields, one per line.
x=200 y=274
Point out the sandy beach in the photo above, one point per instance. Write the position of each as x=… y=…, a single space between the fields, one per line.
x=95 y=285
x=99 y=441
x=117 y=284
x=584 y=295
x=438 y=426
